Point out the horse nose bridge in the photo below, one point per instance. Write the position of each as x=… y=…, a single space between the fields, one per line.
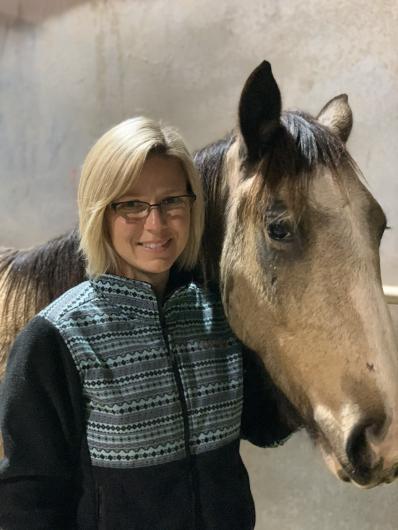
x=378 y=340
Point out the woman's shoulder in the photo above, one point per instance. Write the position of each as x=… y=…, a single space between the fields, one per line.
x=78 y=299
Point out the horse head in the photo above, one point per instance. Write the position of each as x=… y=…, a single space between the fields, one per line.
x=300 y=277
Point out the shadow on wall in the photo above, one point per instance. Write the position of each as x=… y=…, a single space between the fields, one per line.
x=34 y=11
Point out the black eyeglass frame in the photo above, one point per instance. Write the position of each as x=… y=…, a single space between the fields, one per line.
x=114 y=205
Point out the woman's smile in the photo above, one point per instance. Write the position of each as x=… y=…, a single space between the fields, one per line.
x=155 y=246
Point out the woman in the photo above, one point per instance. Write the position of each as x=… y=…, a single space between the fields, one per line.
x=122 y=401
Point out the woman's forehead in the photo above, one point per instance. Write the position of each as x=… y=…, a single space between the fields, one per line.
x=162 y=174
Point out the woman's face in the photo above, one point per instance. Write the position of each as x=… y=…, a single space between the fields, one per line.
x=148 y=247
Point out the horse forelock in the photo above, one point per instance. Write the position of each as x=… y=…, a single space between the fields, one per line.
x=300 y=149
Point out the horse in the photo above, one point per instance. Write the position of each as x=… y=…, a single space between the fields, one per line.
x=292 y=242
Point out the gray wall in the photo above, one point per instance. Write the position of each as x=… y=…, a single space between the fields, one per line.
x=70 y=69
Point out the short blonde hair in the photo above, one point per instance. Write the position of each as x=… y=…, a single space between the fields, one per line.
x=110 y=169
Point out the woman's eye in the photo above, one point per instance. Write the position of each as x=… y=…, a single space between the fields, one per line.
x=172 y=201
x=135 y=206
x=279 y=231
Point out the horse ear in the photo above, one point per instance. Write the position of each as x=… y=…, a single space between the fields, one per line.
x=337 y=116
x=259 y=110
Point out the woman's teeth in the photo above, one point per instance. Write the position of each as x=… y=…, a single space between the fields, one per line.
x=154 y=245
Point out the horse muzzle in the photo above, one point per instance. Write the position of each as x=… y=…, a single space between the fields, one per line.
x=367 y=458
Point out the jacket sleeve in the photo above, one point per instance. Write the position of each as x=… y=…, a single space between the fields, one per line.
x=265 y=409
x=41 y=423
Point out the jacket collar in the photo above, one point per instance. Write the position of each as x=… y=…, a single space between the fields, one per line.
x=125 y=291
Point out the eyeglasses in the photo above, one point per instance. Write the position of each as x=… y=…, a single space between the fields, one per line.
x=139 y=210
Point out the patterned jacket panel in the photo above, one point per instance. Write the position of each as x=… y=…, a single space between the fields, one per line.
x=210 y=364
x=127 y=350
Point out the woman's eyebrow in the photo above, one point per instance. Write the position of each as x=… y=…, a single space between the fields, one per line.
x=171 y=191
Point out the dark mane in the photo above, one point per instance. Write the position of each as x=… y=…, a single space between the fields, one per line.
x=209 y=161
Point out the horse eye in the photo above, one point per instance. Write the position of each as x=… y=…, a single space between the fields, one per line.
x=279 y=231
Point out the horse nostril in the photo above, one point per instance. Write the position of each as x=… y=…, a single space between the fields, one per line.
x=359 y=451
x=356 y=447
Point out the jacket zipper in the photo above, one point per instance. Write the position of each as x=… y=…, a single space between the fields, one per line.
x=184 y=408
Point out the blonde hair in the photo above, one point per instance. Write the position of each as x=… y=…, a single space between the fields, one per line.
x=110 y=169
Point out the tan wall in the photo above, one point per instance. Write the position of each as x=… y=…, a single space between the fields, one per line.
x=69 y=69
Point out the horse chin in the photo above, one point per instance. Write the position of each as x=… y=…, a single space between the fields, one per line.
x=335 y=467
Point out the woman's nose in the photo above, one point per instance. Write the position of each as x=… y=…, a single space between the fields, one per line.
x=155 y=217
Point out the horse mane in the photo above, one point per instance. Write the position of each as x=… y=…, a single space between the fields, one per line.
x=30 y=279
x=210 y=162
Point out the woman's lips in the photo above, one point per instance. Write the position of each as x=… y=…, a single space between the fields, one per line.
x=155 y=245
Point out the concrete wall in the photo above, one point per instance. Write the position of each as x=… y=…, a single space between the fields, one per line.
x=69 y=69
